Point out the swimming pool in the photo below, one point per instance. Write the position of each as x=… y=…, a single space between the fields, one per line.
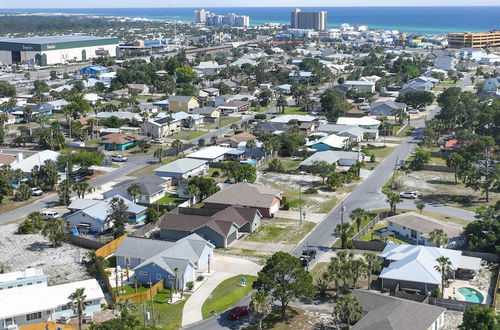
x=471 y=295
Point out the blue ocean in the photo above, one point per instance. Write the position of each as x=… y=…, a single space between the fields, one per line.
x=425 y=20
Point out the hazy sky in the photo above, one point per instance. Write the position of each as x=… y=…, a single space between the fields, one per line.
x=234 y=3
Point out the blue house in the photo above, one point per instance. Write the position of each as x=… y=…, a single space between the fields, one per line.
x=330 y=142
x=158 y=260
x=93 y=71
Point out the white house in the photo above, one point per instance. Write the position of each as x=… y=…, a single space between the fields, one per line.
x=446 y=63
x=360 y=86
x=22 y=278
x=210 y=154
x=363 y=122
x=183 y=168
x=153 y=188
x=209 y=67
x=38 y=159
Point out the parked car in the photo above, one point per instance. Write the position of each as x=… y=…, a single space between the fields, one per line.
x=157 y=141
x=305 y=260
x=47 y=215
x=78 y=178
x=237 y=313
x=414 y=111
x=119 y=158
x=310 y=252
x=409 y=194
x=36 y=192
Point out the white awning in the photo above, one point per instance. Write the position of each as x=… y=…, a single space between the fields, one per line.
x=471 y=263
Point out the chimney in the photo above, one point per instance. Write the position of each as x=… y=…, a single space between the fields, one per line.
x=19 y=157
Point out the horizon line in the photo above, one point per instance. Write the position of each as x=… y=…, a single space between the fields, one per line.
x=201 y=7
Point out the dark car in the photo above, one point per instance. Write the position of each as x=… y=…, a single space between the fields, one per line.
x=305 y=260
x=310 y=252
x=78 y=178
x=237 y=313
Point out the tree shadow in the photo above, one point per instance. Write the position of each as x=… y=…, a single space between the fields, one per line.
x=463 y=200
x=443 y=182
x=39 y=246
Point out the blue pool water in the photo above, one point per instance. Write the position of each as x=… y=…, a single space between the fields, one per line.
x=471 y=295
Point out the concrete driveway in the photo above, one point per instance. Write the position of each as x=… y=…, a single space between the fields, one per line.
x=225 y=267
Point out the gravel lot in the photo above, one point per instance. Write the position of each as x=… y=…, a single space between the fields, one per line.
x=22 y=251
x=452 y=320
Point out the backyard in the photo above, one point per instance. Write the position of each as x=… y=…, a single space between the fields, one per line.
x=170 y=198
x=280 y=230
x=226 y=294
x=295 y=111
x=186 y=135
x=223 y=121
x=378 y=151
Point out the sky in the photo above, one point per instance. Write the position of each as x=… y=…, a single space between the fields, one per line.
x=4 y=4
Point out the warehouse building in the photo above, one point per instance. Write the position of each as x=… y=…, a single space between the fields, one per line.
x=51 y=50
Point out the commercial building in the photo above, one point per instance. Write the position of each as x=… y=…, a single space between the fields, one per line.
x=200 y=16
x=489 y=39
x=315 y=20
x=51 y=50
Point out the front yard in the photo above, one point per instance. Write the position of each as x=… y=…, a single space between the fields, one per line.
x=170 y=198
x=280 y=230
x=186 y=135
x=224 y=121
x=379 y=152
x=168 y=316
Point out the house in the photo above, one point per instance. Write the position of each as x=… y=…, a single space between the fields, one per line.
x=182 y=103
x=22 y=278
x=273 y=128
x=234 y=106
x=209 y=114
x=7 y=159
x=359 y=86
x=58 y=105
x=211 y=154
x=419 y=84
x=209 y=67
x=165 y=124
x=235 y=140
x=94 y=218
x=339 y=158
x=285 y=119
x=93 y=71
x=243 y=61
x=183 y=168
x=413 y=266
x=386 y=108
x=38 y=303
x=153 y=188
x=38 y=159
x=285 y=89
x=123 y=115
x=220 y=227
x=307 y=128
x=139 y=88
x=158 y=260
x=363 y=122
x=451 y=145
x=120 y=141
x=416 y=228
x=491 y=85
x=301 y=76
x=210 y=92
x=382 y=312
x=330 y=142
x=446 y=63
x=472 y=54
x=265 y=199
x=355 y=133
x=119 y=93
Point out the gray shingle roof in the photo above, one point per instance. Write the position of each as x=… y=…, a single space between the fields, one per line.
x=330 y=156
x=149 y=184
x=182 y=165
x=245 y=194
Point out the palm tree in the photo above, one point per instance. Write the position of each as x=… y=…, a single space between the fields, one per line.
x=251 y=144
x=444 y=267
x=357 y=270
x=177 y=145
x=192 y=191
x=345 y=230
x=438 y=237
x=348 y=309
x=213 y=140
x=234 y=127
x=281 y=103
x=124 y=307
x=358 y=215
x=393 y=199
x=373 y=263
x=245 y=125
x=159 y=153
x=260 y=306
x=54 y=230
x=82 y=188
x=344 y=259
x=420 y=207
x=27 y=113
x=455 y=161
x=334 y=273
x=91 y=123
x=134 y=190
x=78 y=304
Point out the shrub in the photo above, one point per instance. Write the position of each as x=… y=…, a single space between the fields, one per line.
x=215 y=174
x=200 y=278
x=311 y=190
x=438 y=293
x=260 y=116
x=276 y=165
x=190 y=285
x=384 y=290
x=372 y=158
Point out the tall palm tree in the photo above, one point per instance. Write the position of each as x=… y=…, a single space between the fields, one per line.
x=345 y=230
x=251 y=144
x=260 y=306
x=192 y=191
x=82 y=188
x=54 y=230
x=373 y=263
x=358 y=215
x=134 y=190
x=334 y=273
x=444 y=267
x=348 y=309
x=234 y=127
x=177 y=145
x=78 y=304
x=455 y=161
x=393 y=199
x=438 y=237
x=357 y=270
x=124 y=307
x=344 y=259
x=281 y=103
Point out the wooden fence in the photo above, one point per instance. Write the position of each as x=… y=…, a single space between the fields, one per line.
x=110 y=248
x=369 y=226
x=143 y=296
x=85 y=242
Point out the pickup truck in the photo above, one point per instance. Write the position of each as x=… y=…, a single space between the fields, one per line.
x=119 y=158
x=36 y=192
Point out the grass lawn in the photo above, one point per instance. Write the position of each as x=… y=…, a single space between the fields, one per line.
x=379 y=152
x=368 y=235
x=406 y=131
x=129 y=289
x=438 y=161
x=150 y=169
x=259 y=109
x=224 y=121
x=281 y=230
x=8 y=204
x=186 y=135
x=170 y=199
x=226 y=295
x=93 y=142
x=169 y=315
x=295 y=111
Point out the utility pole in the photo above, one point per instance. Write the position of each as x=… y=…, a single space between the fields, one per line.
x=300 y=205
x=152 y=304
x=395 y=169
x=342 y=213
x=144 y=313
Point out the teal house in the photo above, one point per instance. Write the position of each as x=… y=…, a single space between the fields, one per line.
x=120 y=141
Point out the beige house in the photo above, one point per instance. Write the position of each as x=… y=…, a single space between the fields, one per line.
x=182 y=103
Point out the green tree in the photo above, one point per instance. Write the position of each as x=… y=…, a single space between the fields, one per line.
x=207 y=186
x=177 y=145
x=54 y=231
x=275 y=165
x=159 y=153
x=333 y=103
x=281 y=103
x=455 y=161
x=416 y=99
x=78 y=304
x=358 y=215
x=421 y=159
x=125 y=307
x=334 y=180
x=357 y=270
x=322 y=169
x=33 y=224
x=7 y=89
x=134 y=190
x=260 y=306
x=82 y=188
x=393 y=199
x=23 y=193
x=348 y=309
x=152 y=215
x=480 y=318
x=483 y=234
x=5 y=188
x=284 y=279
x=192 y=191
x=373 y=263
x=444 y=267
x=438 y=237
x=345 y=230
x=118 y=216
x=185 y=75
x=420 y=207
x=64 y=191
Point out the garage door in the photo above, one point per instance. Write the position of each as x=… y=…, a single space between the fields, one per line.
x=231 y=238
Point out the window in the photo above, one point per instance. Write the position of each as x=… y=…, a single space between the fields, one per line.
x=9 y=287
x=38 y=282
x=33 y=316
x=158 y=277
x=19 y=285
x=29 y=283
x=143 y=273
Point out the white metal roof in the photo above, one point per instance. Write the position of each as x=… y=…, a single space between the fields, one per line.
x=363 y=121
x=332 y=140
x=211 y=152
x=27 y=273
x=38 y=159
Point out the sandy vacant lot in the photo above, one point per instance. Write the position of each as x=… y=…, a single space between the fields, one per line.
x=22 y=251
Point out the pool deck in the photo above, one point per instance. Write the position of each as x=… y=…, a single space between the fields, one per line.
x=448 y=292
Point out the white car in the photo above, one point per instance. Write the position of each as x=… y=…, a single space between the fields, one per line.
x=47 y=215
x=409 y=194
x=119 y=158
x=36 y=192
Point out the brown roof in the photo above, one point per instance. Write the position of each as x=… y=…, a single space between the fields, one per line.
x=239 y=215
x=7 y=159
x=190 y=223
x=120 y=138
x=425 y=225
x=241 y=137
x=245 y=194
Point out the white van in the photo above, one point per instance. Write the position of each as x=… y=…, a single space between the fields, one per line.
x=47 y=215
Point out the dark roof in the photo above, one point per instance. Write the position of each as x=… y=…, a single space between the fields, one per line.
x=149 y=184
x=269 y=127
x=239 y=215
x=391 y=313
x=245 y=194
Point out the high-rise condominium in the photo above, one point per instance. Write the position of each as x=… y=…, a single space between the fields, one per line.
x=315 y=20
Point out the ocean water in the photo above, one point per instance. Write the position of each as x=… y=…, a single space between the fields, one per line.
x=425 y=20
